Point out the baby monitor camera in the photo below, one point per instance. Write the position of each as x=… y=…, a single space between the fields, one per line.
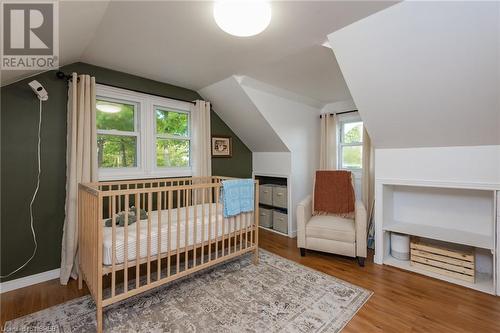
x=39 y=90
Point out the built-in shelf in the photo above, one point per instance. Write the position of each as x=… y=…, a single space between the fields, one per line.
x=484 y=282
x=443 y=234
x=451 y=212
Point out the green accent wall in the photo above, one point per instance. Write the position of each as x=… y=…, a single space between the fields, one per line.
x=19 y=118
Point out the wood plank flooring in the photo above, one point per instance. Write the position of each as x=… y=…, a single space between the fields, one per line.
x=402 y=301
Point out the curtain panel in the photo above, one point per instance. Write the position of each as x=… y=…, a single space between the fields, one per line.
x=81 y=163
x=368 y=176
x=328 y=143
x=202 y=154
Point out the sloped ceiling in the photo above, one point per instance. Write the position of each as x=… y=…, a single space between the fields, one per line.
x=425 y=73
x=233 y=105
x=178 y=42
x=266 y=118
x=78 y=25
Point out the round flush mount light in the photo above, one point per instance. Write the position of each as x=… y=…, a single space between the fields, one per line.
x=242 y=18
x=108 y=108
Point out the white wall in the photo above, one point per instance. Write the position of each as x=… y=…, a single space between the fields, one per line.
x=272 y=164
x=425 y=73
x=232 y=104
x=468 y=164
x=297 y=124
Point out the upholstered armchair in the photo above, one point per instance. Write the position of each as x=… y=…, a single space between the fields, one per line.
x=332 y=233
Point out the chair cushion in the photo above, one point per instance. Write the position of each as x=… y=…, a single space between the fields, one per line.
x=331 y=227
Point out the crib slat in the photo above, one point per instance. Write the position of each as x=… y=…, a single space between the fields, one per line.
x=210 y=224
x=195 y=227
x=247 y=216
x=113 y=246
x=223 y=234
x=158 y=251
x=202 y=225
x=169 y=231
x=233 y=232
x=241 y=228
x=186 y=230
x=137 y=239
x=150 y=205
x=125 y=258
x=252 y=221
x=217 y=222
x=178 y=210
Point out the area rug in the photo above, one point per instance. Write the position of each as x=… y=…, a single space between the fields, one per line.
x=277 y=295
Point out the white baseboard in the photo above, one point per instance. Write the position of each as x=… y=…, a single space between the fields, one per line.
x=29 y=280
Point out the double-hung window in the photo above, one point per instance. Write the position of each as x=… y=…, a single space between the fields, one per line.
x=350 y=148
x=141 y=136
x=351 y=144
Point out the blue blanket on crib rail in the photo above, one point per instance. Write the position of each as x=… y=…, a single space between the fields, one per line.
x=237 y=196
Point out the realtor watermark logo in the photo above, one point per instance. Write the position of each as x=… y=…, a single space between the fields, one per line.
x=30 y=35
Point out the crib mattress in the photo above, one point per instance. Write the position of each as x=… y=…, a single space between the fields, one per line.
x=170 y=243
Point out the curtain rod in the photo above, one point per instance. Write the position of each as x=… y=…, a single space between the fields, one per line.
x=333 y=114
x=67 y=77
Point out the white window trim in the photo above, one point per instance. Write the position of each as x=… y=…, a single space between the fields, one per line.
x=146 y=131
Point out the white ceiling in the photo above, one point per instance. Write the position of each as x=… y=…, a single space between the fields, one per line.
x=179 y=43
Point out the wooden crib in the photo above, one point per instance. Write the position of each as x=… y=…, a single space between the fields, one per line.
x=184 y=232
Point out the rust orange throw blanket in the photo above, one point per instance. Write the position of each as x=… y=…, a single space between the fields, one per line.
x=333 y=193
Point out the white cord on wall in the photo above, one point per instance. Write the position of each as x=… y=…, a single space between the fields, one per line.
x=32 y=199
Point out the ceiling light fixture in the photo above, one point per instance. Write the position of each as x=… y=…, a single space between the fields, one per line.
x=108 y=108
x=242 y=18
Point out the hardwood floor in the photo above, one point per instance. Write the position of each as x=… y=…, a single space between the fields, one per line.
x=402 y=301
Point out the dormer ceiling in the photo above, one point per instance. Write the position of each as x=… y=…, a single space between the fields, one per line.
x=179 y=43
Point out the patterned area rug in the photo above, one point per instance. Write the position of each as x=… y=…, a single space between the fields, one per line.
x=278 y=295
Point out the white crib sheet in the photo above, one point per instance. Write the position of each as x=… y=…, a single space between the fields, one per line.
x=230 y=225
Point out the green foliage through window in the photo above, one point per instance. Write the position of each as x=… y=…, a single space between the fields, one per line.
x=353 y=132
x=172 y=153
x=172 y=142
x=172 y=123
x=352 y=157
x=116 y=151
x=352 y=145
x=119 y=116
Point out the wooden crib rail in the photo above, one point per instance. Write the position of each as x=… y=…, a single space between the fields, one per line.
x=154 y=182
x=190 y=204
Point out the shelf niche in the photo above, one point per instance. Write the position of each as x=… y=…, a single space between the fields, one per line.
x=451 y=214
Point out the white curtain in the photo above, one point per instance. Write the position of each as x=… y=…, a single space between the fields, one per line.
x=81 y=163
x=202 y=158
x=368 y=173
x=328 y=142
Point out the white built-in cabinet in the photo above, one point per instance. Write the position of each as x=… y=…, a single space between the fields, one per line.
x=460 y=213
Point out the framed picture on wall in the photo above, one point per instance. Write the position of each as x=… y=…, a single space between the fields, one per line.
x=222 y=146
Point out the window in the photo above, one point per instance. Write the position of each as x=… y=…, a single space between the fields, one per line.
x=117 y=135
x=141 y=136
x=351 y=144
x=173 y=141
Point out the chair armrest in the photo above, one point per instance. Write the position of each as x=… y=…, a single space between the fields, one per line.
x=304 y=214
x=361 y=221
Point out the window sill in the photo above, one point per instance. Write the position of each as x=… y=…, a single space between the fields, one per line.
x=168 y=173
